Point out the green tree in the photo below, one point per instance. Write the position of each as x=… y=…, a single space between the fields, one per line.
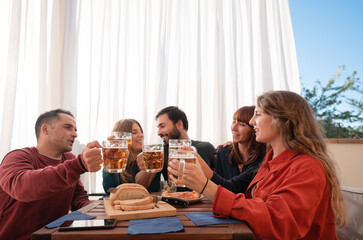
x=328 y=103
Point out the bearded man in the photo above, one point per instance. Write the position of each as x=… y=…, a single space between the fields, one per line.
x=173 y=124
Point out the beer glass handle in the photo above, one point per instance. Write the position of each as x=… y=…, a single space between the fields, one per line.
x=101 y=153
x=181 y=168
x=195 y=152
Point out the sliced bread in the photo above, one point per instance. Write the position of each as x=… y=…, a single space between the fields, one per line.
x=128 y=191
x=136 y=208
x=134 y=202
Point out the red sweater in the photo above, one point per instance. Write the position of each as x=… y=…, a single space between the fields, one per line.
x=35 y=190
x=290 y=200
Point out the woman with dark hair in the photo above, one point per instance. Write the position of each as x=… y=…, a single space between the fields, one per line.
x=238 y=163
x=127 y=176
x=295 y=194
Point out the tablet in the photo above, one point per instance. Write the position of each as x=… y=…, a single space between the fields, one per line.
x=92 y=224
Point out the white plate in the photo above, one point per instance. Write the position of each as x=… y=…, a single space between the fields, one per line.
x=189 y=200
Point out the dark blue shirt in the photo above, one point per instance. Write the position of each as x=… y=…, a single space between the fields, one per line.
x=227 y=175
x=224 y=168
x=205 y=149
x=113 y=180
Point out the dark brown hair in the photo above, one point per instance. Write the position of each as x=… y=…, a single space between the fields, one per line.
x=47 y=118
x=255 y=149
x=175 y=114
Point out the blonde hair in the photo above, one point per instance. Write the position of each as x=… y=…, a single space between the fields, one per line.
x=302 y=132
x=125 y=125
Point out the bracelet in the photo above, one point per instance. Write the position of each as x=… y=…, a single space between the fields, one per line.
x=204 y=186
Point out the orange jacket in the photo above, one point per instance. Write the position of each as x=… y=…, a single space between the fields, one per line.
x=288 y=199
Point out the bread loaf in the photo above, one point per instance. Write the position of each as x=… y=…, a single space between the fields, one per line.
x=128 y=191
x=131 y=197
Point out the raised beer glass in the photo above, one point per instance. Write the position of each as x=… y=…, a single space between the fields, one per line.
x=188 y=155
x=123 y=135
x=153 y=157
x=182 y=155
x=115 y=153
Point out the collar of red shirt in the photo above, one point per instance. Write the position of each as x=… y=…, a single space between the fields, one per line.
x=280 y=160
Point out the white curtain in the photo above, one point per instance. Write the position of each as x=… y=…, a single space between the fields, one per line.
x=108 y=60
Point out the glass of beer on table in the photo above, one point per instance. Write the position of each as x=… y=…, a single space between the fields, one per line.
x=183 y=151
x=153 y=157
x=115 y=153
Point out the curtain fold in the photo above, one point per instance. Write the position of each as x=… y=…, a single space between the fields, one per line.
x=11 y=70
x=108 y=60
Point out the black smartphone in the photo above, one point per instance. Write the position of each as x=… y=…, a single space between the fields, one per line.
x=92 y=224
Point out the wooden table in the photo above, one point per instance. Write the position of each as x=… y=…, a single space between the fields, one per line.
x=222 y=231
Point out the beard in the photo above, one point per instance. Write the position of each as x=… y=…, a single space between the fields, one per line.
x=173 y=134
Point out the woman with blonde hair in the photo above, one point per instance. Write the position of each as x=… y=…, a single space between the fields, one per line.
x=295 y=194
x=127 y=176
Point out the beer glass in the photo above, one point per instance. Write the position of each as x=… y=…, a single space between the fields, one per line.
x=176 y=151
x=115 y=153
x=153 y=157
x=123 y=135
x=186 y=156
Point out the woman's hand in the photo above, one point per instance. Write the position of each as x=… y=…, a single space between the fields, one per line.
x=142 y=177
x=111 y=137
x=193 y=176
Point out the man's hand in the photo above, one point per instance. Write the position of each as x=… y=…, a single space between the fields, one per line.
x=224 y=145
x=140 y=161
x=91 y=156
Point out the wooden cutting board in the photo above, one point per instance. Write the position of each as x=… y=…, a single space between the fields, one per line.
x=161 y=209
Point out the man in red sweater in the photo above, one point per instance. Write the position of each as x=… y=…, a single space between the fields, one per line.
x=42 y=183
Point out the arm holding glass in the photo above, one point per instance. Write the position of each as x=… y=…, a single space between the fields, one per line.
x=91 y=157
x=150 y=162
x=193 y=177
x=208 y=172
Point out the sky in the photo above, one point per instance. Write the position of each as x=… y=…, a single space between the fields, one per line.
x=328 y=34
